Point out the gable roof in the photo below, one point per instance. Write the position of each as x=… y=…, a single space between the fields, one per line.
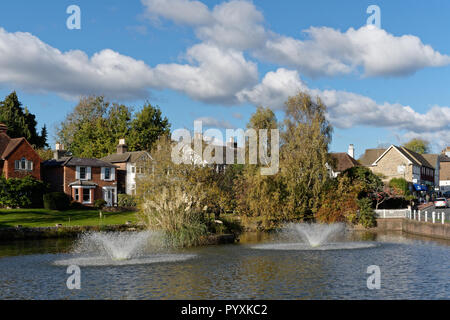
x=370 y=155
x=133 y=156
x=431 y=158
x=343 y=161
x=8 y=145
x=411 y=156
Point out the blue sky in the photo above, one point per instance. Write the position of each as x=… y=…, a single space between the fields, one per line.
x=217 y=60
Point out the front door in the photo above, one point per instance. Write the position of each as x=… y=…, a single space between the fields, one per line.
x=108 y=196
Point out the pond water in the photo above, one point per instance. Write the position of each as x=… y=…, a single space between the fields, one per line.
x=255 y=268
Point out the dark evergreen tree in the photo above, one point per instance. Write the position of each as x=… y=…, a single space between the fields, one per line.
x=20 y=122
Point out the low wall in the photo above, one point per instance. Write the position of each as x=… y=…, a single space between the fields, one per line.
x=421 y=228
x=428 y=229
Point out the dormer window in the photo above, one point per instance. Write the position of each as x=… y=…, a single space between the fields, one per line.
x=23 y=164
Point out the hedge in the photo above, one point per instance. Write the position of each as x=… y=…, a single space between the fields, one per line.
x=21 y=192
x=56 y=201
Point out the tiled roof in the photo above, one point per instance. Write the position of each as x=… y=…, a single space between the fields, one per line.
x=125 y=157
x=73 y=161
x=344 y=161
x=369 y=156
x=415 y=157
x=8 y=145
x=89 y=162
x=431 y=158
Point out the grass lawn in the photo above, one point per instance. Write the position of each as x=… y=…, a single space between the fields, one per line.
x=49 y=218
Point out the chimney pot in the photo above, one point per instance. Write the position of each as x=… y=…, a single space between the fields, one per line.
x=122 y=147
x=351 y=151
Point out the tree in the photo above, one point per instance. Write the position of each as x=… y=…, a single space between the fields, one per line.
x=304 y=154
x=20 y=122
x=172 y=196
x=95 y=126
x=418 y=145
x=260 y=195
x=147 y=126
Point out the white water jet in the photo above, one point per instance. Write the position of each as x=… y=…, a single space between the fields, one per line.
x=317 y=234
x=314 y=237
x=116 y=245
x=121 y=248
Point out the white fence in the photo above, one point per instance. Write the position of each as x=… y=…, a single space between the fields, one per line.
x=388 y=213
x=431 y=215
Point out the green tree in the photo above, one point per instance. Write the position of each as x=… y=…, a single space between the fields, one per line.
x=20 y=122
x=146 y=127
x=304 y=154
x=95 y=126
x=418 y=145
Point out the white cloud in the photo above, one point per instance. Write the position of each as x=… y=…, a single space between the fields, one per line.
x=29 y=63
x=180 y=11
x=274 y=89
x=347 y=109
x=239 y=25
x=213 y=75
x=215 y=123
x=329 y=52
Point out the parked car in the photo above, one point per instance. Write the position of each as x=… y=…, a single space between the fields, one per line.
x=446 y=194
x=441 y=203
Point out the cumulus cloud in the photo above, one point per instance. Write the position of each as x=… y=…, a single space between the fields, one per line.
x=29 y=63
x=180 y=11
x=347 y=109
x=215 y=75
x=212 y=74
x=329 y=52
x=274 y=89
x=215 y=123
x=325 y=51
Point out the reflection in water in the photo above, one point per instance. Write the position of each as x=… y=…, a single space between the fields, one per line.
x=410 y=269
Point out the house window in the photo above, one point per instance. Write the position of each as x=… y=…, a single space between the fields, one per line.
x=86 y=195
x=107 y=173
x=77 y=194
x=82 y=173
x=133 y=169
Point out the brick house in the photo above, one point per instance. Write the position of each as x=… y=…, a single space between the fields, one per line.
x=83 y=179
x=400 y=162
x=130 y=165
x=18 y=159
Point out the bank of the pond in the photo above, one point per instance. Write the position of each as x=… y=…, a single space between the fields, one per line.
x=419 y=228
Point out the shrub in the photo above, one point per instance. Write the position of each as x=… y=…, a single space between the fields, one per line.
x=367 y=216
x=21 y=192
x=126 y=200
x=56 y=201
x=99 y=203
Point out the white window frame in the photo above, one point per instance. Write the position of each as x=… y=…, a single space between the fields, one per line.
x=90 y=196
x=76 y=194
x=23 y=165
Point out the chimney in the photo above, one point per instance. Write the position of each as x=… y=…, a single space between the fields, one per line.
x=122 y=146
x=3 y=128
x=59 y=151
x=351 y=151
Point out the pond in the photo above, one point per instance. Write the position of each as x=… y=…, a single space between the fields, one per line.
x=254 y=268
